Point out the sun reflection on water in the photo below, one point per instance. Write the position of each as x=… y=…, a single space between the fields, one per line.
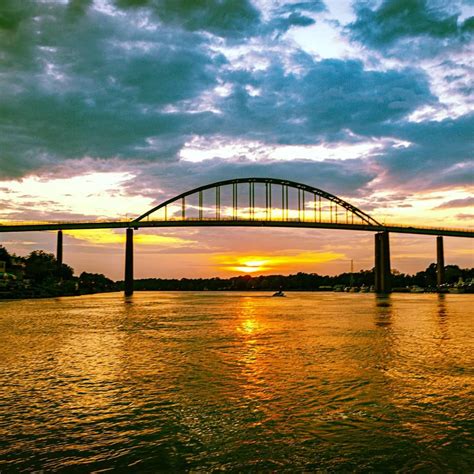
x=188 y=381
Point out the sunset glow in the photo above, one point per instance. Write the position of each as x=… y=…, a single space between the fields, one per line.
x=251 y=266
x=274 y=263
x=109 y=236
x=138 y=103
x=236 y=235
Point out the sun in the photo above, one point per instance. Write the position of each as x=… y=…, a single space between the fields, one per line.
x=250 y=266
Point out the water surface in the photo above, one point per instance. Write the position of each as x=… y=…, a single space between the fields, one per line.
x=237 y=381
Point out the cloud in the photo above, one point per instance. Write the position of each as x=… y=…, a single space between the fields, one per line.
x=162 y=181
x=128 y=85
x=456 y=203
x=220 y=17
x=108 y=236
x=392 y=21
x=320 y=99
x=95 y=87
x=465 y=217
x=129 y=89
x=440 y=156
x=299 y=14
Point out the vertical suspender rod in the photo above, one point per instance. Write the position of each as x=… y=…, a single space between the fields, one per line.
x=200 y=205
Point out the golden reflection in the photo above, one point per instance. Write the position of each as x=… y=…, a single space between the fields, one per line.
x=442 y=310
x=89 y=362
x=442 y=316
x=383 y=343
x=383 y=311
x=249 y=328
x=427 y=368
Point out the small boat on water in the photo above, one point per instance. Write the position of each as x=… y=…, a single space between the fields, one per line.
x=279 y=293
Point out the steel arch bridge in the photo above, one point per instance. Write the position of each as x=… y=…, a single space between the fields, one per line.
x=258 y=200
x=255 y=202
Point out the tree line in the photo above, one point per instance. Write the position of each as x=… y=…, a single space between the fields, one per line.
x=303 y=281
x=39 y=275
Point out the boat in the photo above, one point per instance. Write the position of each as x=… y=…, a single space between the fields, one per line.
x=279 y=293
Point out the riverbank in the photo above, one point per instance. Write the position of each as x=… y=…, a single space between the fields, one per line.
x=6 y=296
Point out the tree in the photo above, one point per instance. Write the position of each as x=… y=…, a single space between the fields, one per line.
x=41 y=267
x=94 y=282
x=452 y=273
x=5 y=256
x=66 y=272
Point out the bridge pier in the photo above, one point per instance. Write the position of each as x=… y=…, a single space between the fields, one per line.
x=382 y=282
x=128 y=287
x=439 y=261
x=59 y=252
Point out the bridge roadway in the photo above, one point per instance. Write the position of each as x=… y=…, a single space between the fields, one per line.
x=189 y=222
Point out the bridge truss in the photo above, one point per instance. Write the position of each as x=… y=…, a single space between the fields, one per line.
x=257 y=199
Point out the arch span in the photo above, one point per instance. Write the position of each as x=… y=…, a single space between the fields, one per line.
x=331 y=203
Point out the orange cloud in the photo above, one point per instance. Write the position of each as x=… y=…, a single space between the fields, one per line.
x=108 y=236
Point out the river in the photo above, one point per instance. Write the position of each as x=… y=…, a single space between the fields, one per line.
x=171 y=382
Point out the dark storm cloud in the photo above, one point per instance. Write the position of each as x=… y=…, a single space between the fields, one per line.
x=220 y=17
x=459 y=175
x=295 y=14
x=283 y=24
x=96 y=87
x=321 y=100
x=115 y=86
x=130 y=87
x=395 y=20
x=441 y=155
x=348 y=178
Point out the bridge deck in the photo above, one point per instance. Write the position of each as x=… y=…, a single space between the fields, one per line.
x=189 y=222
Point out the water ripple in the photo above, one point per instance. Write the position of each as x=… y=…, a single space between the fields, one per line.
x=241 y=382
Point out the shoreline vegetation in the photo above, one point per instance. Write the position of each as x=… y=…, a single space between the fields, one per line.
x=40 y=276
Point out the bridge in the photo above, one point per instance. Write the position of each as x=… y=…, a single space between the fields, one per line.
x=255 y=202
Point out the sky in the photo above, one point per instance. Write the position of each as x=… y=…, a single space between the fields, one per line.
x=109 y=107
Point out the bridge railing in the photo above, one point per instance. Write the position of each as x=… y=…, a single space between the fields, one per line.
x=427 y=227
x=176 y=219
x=59 y=222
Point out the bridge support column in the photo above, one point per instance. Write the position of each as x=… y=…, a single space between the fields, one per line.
x=383 y=282
x=129 y=263
x=439 y=260
x=59 y=252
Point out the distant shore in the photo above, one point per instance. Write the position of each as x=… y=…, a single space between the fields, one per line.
x=41 y=275
x=10 y=296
